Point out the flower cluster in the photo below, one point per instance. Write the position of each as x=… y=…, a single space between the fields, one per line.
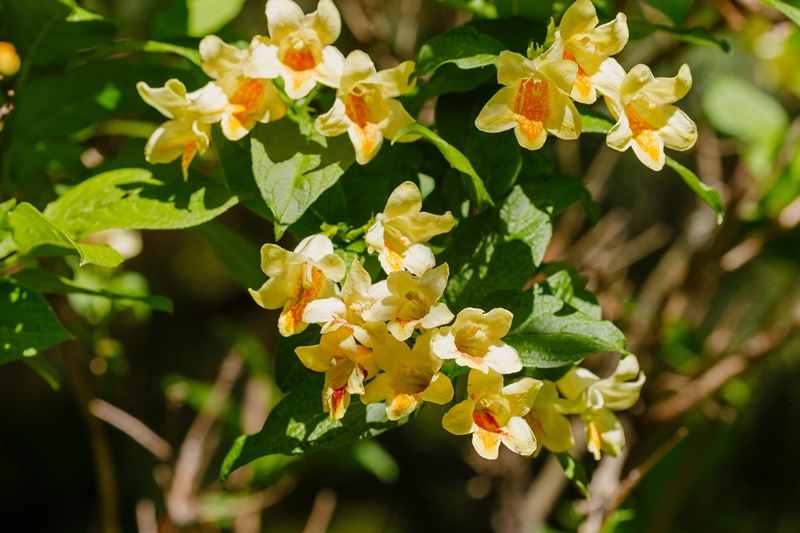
x=538 y=94
x=244 y=92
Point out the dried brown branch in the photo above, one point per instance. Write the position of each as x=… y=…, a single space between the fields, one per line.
x=322 y=512
x=133 y=427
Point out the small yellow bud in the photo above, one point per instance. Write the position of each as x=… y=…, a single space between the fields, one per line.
x=9 y=59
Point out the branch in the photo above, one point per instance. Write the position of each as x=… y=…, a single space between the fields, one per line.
x=133 y=427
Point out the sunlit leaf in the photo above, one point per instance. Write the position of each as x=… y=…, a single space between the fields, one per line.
x=45 y=369
x=708 y=194
x=791 y=12
x=465 y=46
x=208 y=16
x=641 y=29
x=575 y=472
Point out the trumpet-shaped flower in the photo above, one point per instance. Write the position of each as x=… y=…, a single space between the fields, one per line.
x=346 y=364
x=595 y=400
x=535 y=99
x=250 y=95
x=642 y=105
x=191 y=115
x=474 y=340
x=298 y=278
x=365 y=107
x=551 y=428
x=299 y=47
x=413 y=302
x=358 y=296
x=411 y=375
x=493 y=414
x=589 y=45
x=398 y=233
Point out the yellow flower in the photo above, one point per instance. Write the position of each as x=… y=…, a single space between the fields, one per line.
x=365 y=107
x=346 y=364
x=299 y=47
x=474 y=340
x=641 y=104
x=358 y=296
x=250 y=96
x=9 y=59
x=595 y=399
x=551 y=428
x=412 y=302
x=588 y=45
x=534 y=101
x=298 y=278
x=191 y=114
x=398 y=233
x=493 y=414
x=411 y=375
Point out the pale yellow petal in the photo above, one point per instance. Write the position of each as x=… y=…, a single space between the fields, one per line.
x=399 y=405
x=521 y=395
x=405 y=200
x=581 y=17
x=650 y=150
x=297 y=84
x=668 y=90
x=480 y=384
x=396 y=81
x=217 y=58
x=358 y=66
x=434 y=282
x=680 y=132
x=635 y=80
x=418 y=259
x=328 y=311
x=329 y=70
x=486 y=443
x=440 y=391
x=565 y=120
x=326 y=21
x=367 y=141
x=502 y=358
x=377 y=390
x=561 y=73
x=458 y=420
x=283 y=18
x=170 y=100
x=170 y=141
x=262 y=60
x=316 y=358
x=512 y=67
x=620 y=137
x=334 y=122
x=530 y=135
x=274 y=293
x=398 y=118
x=518 y=437
x=498 y=115
x=575 y=382
x=439 y=315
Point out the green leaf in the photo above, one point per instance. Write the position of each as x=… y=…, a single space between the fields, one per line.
x=549 y=334
x=596 y=123
x=209 y=16
x=292 y=170
x=527 y=223
x=237 y=167
x=575 y=472
x=133 y=199
x=147 y=46
x=641 y=29
x=289 y=371
x=791 y=12
x=447 y=79
x=708 y=194
x=557 y=192
x=676 y=10
x=235 y=253
x=564 y=282
x=35 y=235
x=47 y=282
x=458 y=160
x=465 y=46
x=45 y=369
x=297 y=426
x=27 y=323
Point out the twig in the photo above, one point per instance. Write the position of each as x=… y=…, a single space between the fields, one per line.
x=322 y=512
x=133 y=427
x=146 y=520
x=181 y=499
x=542 y=495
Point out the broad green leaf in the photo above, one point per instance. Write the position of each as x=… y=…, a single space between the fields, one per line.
x=209 y=16
x=496 y=157
x=292 y=169
x=527 y=223
x=641 y=29
x=45 y=369
x=7 y=244
x=458 y=160
x=465 y=46
x=235 y=253
x=564 y=282
x=595 y=123
x=560 y=191
x=447 y=79
x=35 y=235
x=27 y=322
x=237 y=167
x=575 y=472
x=133 y=199
x=297 y=426
x=148 y=46
x=47 y=282
x=676 y=10
x=737 y=108
x=515 y=32
x=708 y=194
x=549 y=334
x=791 y=12
x=289 y=371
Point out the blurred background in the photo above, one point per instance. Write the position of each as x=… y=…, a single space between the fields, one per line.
x=711 y=311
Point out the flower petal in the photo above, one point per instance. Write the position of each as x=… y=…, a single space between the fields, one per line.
x=418 y=259
x=328 y=311
x=680 y=132
x=399 y=405
x=575 y=382
x=405 y=200
x=170 y=100
x=458 y=420
x=377 y=390
x=497 y=114
x=480 y=384
x=335 y=121
x=581 y=17
x=316 y=358
x=440 y=391
x=358 y=66
x=315 y=247
x=217 y=58
x=434 y=282
x=521 y=395
x=668 y=90
x=326 y=21
x=283 y=18
x=262 y=61
x=275 y=292
x=398 y=118
x=502 y=358
x=608 y=81
x=439 y=315
x=329 y=70
x=396 y=81
x=486 y=443
x=512 y=67
x=518 y=437
x=367 y=141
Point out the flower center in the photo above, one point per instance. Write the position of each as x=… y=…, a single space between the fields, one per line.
x=246 y=101
x=491 y=413
x=307 y=289
x=532 y=106
x=299 y=56
x=645 y=134
x=472 y=341
x=583 y=83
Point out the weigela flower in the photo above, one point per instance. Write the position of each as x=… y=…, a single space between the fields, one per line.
x=358 y=296
x=365 y=107
x=299 y=48
x=249 y=95
x=346 y=364
x=493 y=414
x=398 y=233
x=191 y=114
x=298 y=278
x=551 y=428
x=411 y=375
x=642 y=105
x=474 y=340
x=595 y=399
x=535 y=99
x=588 y=45
x=413 y=302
